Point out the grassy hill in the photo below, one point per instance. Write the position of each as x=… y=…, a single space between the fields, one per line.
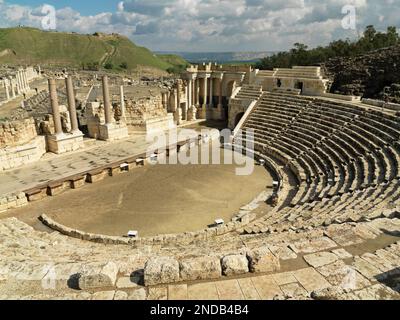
x=34 y=46
x=178 y=63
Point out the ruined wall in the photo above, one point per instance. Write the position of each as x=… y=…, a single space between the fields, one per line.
x=147 y=115
x=20 y=144
x=17 y=132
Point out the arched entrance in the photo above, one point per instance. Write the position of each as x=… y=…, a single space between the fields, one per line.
x=299 y=85
x=238 y=117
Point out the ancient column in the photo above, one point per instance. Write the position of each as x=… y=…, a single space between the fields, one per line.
x=7 y=92
x=106 y=98
x=220 y=108
x=55 y=107
x=19 y=89
x=122 y=101
x=178 y=95
x=211 y=92
x=220 y=93
x=26 y=80
x=21 y=82
x=205 y=93
x=189 y=93
x=71 y=104
x=12 y=88
x=194 y=92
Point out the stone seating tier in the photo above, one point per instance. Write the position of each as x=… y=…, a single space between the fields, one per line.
x=345 y=161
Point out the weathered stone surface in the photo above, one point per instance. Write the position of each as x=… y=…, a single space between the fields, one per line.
x=331 y=293
x=311 y=280
x=283 y=252
x=262 y=260
x=158 y=294
x=320 y=259
x=139 y=294
x=161 y=270
x=293 y=290
x=178 y=292
x=121 y=295
x=339 y=274
x=313 y=245
x=342 y=254
x=126 y=283
x=104 y=295
x=98 y=276
x=235 y=265
x=200 y=268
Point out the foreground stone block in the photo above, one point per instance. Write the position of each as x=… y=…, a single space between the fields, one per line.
x=161 y=270
x=98 y=276
x=320 y=259
x=235 y=265
x=200 y=268
x=262 y=260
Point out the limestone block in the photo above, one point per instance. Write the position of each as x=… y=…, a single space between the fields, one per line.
x=37 y=194
x=55 y=189
x=77 y=182
x=263 y=260
x=320 y=259
x=98 y=276
x=96 y=176
x=200 y=268
x=161 y=270
x=235 y=265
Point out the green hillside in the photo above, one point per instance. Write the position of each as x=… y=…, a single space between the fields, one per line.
x=34 y=46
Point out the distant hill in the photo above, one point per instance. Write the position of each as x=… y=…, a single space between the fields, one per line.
x=221 y=57
x=34 y=46
x=177 y=62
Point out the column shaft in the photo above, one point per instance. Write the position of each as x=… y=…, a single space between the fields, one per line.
x=55 y=107
x=19 y=89
x=205 y=92
x=189 y=102
x=26 y=80
x=210 y=104
x=12 y=88
x=106 y=98
x=194 y=92
x=71 y=104
x=220 y=92
x=122 y=101
x=7 y=92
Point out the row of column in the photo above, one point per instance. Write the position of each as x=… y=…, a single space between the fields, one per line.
x=207 y=93
x=17 y=86
x=56 y=108
x=22 y=81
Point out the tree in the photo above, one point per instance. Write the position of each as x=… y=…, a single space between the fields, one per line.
x=108 y=66
x=124 y=65
x=300 y=54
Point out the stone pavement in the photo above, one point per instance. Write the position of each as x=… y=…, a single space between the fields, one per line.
x=52 y=167
x=37 y=265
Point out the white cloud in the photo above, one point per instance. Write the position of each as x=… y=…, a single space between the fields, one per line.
x=218 y=25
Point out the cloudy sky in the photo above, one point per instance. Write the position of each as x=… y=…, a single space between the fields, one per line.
x=208 y=25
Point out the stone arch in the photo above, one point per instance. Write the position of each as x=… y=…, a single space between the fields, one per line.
x=238 y=117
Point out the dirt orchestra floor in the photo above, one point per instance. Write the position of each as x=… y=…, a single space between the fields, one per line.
x=154 y=200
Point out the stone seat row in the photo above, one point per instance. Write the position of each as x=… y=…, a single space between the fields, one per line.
x=359 y=206
x=331 y=149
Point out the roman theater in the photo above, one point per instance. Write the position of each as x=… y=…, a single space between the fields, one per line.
x=92 y=209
